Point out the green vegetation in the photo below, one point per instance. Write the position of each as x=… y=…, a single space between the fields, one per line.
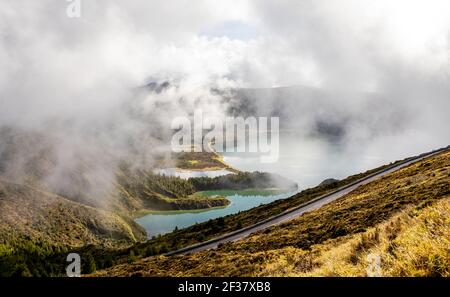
x=402 y=217
x=200 y=161
x=244 y=192
x=38 y=229
x=243 y=180
x=213 y=228
x=35 y=215
x=35 y=226
x=28 y=258
x=208 y=230
x=142 y=191
x=140 y=181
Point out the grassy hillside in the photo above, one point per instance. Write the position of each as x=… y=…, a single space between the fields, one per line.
x=37 y=215
x=200 y=161
x=213 y=228
x=243 y=180
x=140 y=190
x=31 y=158
x=38 y=228
x=53 y=208
x=415 y=242
x=362 y=222
x=35 y=224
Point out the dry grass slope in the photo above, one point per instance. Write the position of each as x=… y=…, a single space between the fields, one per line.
x=35 y=215
x=403 y=218
x=412 y=243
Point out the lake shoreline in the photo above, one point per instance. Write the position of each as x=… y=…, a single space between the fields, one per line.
x=162 y=222
x=142 y=213
x=252 y=192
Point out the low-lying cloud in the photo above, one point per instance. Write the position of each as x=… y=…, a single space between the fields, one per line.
x=379 y=72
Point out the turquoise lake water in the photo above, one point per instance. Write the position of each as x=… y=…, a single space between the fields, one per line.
x=165 y=222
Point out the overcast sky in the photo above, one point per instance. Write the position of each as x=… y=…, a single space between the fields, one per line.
x=82 y=69
x=348 y=44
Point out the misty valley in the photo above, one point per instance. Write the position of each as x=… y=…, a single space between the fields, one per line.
x=185 y=198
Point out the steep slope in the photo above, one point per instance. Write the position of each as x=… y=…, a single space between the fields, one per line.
x=244 y=180
x=414 y=188
x=36 y=225
x=31 y=214
x=36 y=159
x=416 y=242
x=141 y=190
x=213 y=228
